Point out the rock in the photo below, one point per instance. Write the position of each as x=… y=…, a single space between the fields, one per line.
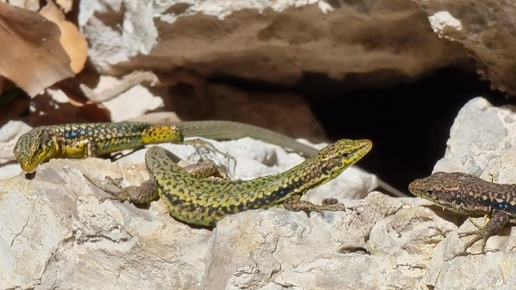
x=137 y=94
x=55 y=221
x=72 y=241
x=484 y=30
x=277 y=42
x=482 y=142
x=278 y=249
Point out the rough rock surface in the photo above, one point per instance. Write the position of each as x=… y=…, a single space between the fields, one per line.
x=55 y=222
x=9 y=133
x=486 y=29
x=482 y=142
x=379 y=43
x=72 y=241
x=368 y=43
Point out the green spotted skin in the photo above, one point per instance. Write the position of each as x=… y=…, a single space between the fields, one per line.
x=88 y=140
x=466 y=194
x=205 y=201
x=226 y=130
x=229 y=130
x=79 y=140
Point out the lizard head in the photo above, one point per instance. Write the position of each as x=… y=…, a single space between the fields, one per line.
x=34 y=148
x=441 y=188
x=334 y=158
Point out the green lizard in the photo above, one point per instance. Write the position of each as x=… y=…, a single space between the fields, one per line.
x=88 y=140
x=96 y=139
x=205 y=201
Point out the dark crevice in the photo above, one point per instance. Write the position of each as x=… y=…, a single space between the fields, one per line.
x=408 y=124
x=408 y=120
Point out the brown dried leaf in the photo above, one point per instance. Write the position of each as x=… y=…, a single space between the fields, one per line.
x=71 y=39
x=32 y=56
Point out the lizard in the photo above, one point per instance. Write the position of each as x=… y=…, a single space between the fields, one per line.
x=77 y=141
x=203 y=202
x=470 y=195
x=82 y=140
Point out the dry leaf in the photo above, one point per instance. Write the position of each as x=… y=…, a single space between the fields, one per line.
x=71 y=39
x=32 y=56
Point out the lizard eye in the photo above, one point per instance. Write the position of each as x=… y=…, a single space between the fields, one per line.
x=429 y=192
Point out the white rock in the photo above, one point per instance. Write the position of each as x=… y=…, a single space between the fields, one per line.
x=481 y=142
x=274 y=41
x=56 y=222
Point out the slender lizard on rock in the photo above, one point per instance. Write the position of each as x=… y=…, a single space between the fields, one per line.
x=472 y=196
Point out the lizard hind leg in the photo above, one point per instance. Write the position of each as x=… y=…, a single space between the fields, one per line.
x=495 y=223
x=143 y=193
x=148 y=190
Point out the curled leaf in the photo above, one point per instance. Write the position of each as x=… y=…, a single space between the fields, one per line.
x=32 y=56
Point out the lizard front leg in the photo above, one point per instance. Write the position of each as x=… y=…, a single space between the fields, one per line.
x=293 y=203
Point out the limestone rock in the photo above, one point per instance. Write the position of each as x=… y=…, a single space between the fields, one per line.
x=273 y=41
x=482 y=142
x=55 y=221
x=486 y=29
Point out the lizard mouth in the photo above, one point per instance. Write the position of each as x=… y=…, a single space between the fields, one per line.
x=28 y=166
x=413 y=187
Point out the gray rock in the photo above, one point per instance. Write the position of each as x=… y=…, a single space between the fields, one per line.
x=72 y=241
x=482 y=142
x=276 y=42
x=55 y=222
x=454 y=21
x=55 y=234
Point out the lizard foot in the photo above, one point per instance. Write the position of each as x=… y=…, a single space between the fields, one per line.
x=328 y=204
x=496 y=222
